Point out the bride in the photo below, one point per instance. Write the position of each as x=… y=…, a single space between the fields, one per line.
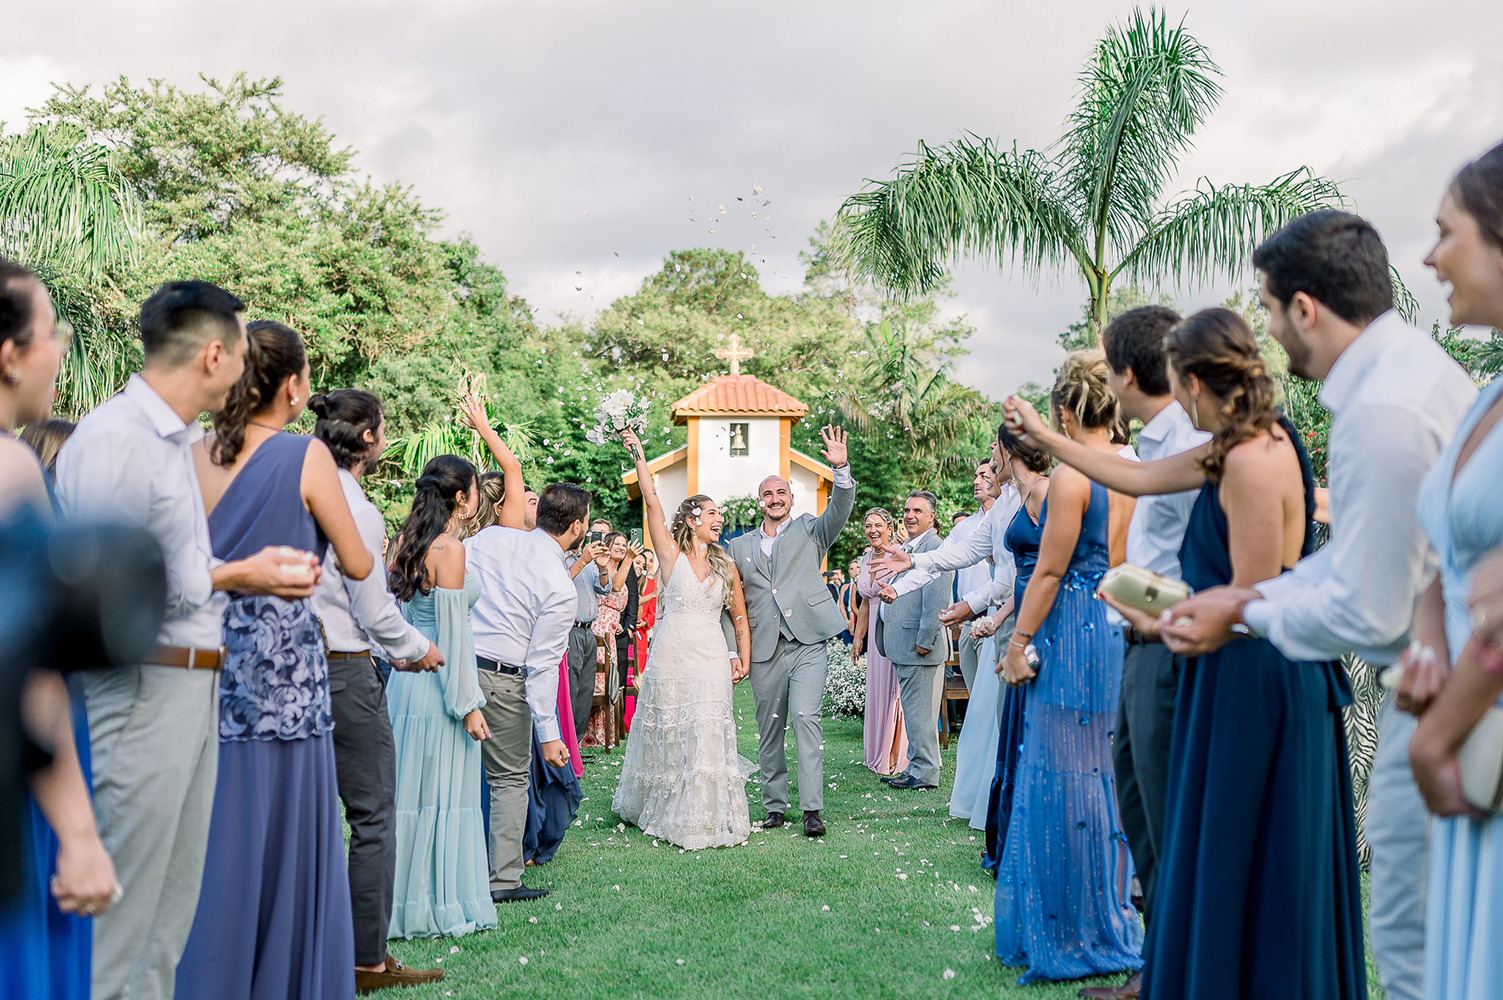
x=681 y=779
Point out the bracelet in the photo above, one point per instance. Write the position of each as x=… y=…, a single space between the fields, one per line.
x=1014 y=642
x=1026 y=635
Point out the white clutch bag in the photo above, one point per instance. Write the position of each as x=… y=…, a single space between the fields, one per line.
x=1481 y=759
x=1143 y=588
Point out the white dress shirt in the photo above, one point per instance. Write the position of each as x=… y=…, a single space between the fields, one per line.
x=1395 y=399
x=908 y=546
x=526 y=609
x=359 y=615
x=842 y=479
x=970 y=550
x=979 y=574
x=1158 y=522
x=131 y=460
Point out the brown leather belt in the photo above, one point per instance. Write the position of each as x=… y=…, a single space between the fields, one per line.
x=187 y=657
x=332 y=655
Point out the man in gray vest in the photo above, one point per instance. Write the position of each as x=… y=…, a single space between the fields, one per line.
x=791 y=615
x=910 y=634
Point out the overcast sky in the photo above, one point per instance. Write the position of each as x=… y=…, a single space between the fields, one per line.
x=563 y=134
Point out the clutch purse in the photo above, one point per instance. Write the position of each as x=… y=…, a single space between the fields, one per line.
x=1481 y=760
x=1143 y=588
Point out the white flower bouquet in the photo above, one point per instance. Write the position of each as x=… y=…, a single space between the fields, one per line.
x=616 y=412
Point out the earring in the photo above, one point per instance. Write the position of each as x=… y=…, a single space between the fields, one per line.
x=1194 y=413
x=11 y=378
x=295 y=400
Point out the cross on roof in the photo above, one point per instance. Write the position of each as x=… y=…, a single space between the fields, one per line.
x=735 y=354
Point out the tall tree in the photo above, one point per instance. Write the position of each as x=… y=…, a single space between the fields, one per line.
x=1098 y=200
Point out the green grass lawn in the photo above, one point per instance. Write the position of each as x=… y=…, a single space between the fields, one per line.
x=891 y=903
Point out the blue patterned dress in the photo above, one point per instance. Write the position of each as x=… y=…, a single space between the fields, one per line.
x=1062 y=904
x=273 y=915
x=443 y=883
x=1464 y=918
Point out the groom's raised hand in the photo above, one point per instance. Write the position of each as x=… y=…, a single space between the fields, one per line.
x=834 y=450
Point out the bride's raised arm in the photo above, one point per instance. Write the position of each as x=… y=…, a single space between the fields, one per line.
x=1174 y=474
x=657 y=525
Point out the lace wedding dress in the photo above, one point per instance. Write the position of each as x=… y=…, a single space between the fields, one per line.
x=681 y=780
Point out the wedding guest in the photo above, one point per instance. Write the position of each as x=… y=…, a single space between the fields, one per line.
x=884 y=738
x=153 y=727
x=358 y=616
x=45 y=933
x=521 y=625
x=614 y=568
x=1062 y=905
x=622 y=559
x=1260 y=839
x=46 y=437
x=436 y=718
x=1138 y=374
x=583 y=564
x=1395 y=399
x=274 y=915
x=1461 y=515
x=647 y=605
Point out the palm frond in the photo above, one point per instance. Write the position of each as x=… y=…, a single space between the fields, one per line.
x=967 y=198
x=1404 y=302
x=1212 y=230
x=1144 y=92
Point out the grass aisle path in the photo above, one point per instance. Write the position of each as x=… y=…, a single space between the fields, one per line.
x=781 y=917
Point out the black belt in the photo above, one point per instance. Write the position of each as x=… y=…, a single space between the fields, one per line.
x=585 y=625
x=1136 y=638
x=496 y=666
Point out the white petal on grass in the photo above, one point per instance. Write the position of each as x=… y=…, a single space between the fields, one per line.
x=454 y=949
x=949 y=973
x=522 y=959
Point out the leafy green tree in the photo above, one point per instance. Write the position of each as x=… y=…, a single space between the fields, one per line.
x=1098 y=202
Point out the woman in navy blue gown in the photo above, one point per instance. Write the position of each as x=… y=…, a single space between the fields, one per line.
x=273 y=916
x=1258 y=893
x=1063 y=907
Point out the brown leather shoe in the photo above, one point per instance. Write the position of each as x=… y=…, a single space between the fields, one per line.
x=1127 y=991
x=396 y=974
x=773 y=821
x=813 y=825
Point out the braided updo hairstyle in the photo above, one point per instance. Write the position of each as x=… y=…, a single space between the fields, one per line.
x=1081 y=390
x=685 y=520
x=1216 y=346
x=273 y=354
x=444 y=477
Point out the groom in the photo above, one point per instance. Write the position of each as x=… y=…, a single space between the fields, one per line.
x=792 y=614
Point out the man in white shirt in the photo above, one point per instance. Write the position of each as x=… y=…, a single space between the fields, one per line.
x=357 y=616
x=1395 y=399
x=1138 y=373
x=521 y=623
x=977 y=575
x=154 y=728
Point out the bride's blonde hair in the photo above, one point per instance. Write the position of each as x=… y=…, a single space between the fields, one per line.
x=685 y=520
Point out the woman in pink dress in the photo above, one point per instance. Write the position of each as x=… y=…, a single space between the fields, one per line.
x=607 y=626
x=885 y=742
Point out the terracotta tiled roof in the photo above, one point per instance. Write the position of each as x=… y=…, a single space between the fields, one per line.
x=738 y=394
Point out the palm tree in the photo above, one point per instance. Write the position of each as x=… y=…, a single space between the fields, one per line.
x=1098 y=201
x=68 y=213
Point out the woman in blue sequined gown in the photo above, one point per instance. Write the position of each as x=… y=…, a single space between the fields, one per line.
x=273 y=916
x=1062 y=906
x=1258 y=889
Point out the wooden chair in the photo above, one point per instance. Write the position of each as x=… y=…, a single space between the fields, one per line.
x=629 y=689
x=602 y=668
x=954 y=691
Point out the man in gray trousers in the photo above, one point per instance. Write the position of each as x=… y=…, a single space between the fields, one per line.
x=792 y=615
x=909 y=633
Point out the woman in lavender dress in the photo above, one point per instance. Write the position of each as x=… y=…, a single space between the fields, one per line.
x=886 y=743
x=274 y=913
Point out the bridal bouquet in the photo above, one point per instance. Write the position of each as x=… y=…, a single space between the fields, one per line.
x=616 y=412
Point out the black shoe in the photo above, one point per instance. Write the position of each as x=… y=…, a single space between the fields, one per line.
x=888 y=779
x=773 y=821
x=910 y=783
x=521 y=892
x=813 y=825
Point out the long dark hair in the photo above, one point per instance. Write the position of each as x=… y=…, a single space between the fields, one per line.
x=273 y=354
x=1478 y=189
x=432 y=506
x=344 y=416
x=1216 y=346
x=16 y=302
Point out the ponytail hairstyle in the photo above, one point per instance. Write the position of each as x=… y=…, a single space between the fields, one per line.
x=1081 y=390
x=685 y=520
x=344 y=416
x=432 y=507
x=1478 y=189
x=1216 y=346
x=492 y=487
x=273 y=354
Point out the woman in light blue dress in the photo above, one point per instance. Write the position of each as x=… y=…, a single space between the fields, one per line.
x=442 y=884
x=1461 y=510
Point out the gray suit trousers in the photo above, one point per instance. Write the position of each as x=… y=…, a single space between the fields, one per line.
x=365 y=758
x=789 y=689
x=1397 y=828
x=919 y=686
x=154 y=736
x=1140 y=755
x=582 y=668
x=507 y=760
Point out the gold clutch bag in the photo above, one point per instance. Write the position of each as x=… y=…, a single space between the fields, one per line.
x=1142 y=588
x=1481 y=760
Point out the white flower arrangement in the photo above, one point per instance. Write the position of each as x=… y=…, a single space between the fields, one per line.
x=616 y=412
x=845 y=682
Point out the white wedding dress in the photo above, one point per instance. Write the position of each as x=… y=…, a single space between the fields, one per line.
x=681 y=780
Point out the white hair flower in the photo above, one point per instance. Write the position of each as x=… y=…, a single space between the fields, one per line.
x=697 y=511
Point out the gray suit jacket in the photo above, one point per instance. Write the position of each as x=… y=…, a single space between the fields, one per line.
x=789 y=587
x=913 y=619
